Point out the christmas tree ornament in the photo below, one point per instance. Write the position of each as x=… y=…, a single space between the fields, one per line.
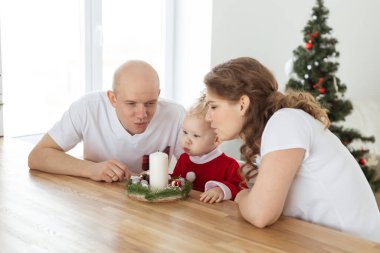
x=135 y=179
x=316 y=63
x=309 y=45
x=306 y=76
x=308 y=67
x=144 y=183
x=176 y=183
x=322 y=90
x=314 y=35
x=362 y=161
x=317 y=84
x=314 y=17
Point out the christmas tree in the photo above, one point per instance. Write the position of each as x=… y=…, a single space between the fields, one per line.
x=314 y=68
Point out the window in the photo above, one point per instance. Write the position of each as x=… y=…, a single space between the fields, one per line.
x=41 y=60
x=46 y=56
x=132 y=33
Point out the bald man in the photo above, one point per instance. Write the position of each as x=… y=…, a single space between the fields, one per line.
x=118 y=128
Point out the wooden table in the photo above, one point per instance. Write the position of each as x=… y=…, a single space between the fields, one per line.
x=42 y=212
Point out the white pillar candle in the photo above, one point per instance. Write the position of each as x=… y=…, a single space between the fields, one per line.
x=158 y=170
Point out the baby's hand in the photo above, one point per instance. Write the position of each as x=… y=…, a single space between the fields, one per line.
x=214 y=195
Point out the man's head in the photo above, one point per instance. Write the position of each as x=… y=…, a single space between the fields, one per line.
x=136 y=88
x=198 y=138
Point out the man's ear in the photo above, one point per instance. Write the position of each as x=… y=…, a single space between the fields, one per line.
x=244 y=104
x=112 y=97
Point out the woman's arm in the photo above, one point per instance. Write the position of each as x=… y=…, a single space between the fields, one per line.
x=263 y=205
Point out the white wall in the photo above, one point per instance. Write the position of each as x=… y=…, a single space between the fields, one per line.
x=192 y=48
x=270 y=30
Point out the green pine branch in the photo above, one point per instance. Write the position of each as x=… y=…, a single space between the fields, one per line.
x=348 y=135
x=149 y=195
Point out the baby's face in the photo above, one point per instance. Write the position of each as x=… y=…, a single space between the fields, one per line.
x=197 y=138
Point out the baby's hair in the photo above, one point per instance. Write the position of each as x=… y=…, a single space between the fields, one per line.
x=199 y=108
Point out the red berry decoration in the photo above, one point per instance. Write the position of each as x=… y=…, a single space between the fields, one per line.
x=362 y=161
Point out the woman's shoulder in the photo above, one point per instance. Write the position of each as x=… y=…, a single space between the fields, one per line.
x=290 y=115
x=288 y=120
x=286 y=129
x=290 y=111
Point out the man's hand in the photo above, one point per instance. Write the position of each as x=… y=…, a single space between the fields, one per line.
x=48 y=156
x=110 y=171
x=214 y=195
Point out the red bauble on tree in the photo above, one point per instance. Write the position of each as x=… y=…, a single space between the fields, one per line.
x=362 y=161
x=322 y=90
x=314 y=34
x=309 y=45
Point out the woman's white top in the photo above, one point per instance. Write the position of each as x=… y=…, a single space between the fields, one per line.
x=329 y=188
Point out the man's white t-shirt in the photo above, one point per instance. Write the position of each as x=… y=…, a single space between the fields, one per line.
x=329 y=188
x=93 y=120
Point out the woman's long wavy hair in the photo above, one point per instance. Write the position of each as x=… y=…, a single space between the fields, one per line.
x=247 y=76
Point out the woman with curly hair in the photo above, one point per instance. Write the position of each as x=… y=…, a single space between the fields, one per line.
x=302 y=169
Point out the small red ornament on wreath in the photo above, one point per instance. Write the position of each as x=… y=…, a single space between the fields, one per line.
x=362 y=161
